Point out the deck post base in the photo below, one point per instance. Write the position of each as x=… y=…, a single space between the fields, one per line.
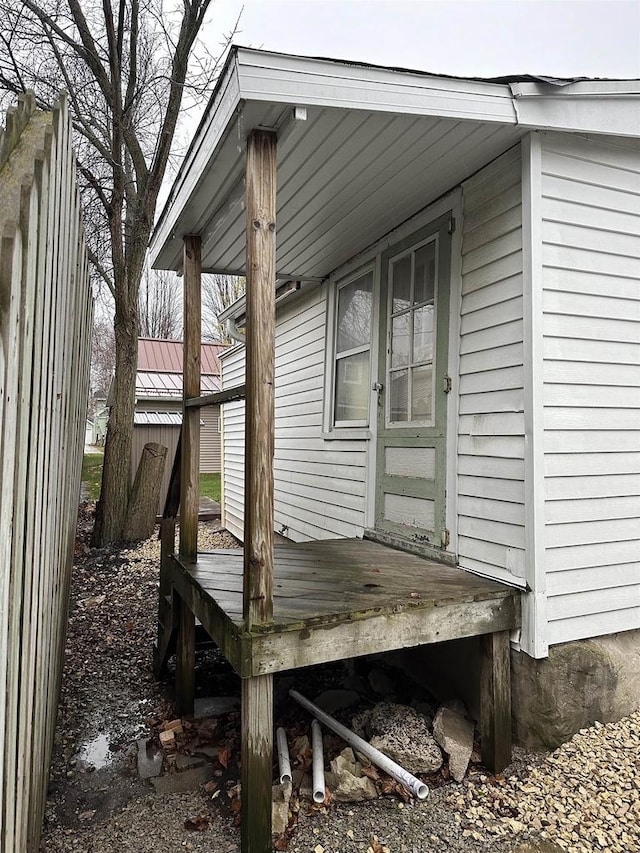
x=257 y=763
x=185 y=658
x=495 y=700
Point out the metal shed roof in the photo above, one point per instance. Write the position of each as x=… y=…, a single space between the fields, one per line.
x=159 y=419
x=163 y=356
x=368 y=148
x=154 y=384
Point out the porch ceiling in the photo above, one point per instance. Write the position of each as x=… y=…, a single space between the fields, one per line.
x=347 y=174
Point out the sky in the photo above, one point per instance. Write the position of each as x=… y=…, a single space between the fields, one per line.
x=478 y=38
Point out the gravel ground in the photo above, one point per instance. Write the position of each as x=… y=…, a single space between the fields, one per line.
x=584 y=797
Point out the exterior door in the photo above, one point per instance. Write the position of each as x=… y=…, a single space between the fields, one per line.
x=412 y=404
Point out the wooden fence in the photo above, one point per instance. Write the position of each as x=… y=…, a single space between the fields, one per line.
x=45 y=331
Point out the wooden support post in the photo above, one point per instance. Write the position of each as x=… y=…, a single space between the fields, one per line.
x=495 y=700
x=257 y=763
x=257 y=692
x=185 y=657
x=190 y=461
x=167 y=619
x=259 y=418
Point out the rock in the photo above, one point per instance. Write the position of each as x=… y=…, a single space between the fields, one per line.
x=149 y=759
x=214 y=706
x=189 y=780
x=537 y=847
x=380 y=683
x=280 y=797
x=360 y=724
x=403 y=735
x=454 y=732
x=578 y=683
x=346 y=782
x=186 y=762
x=335 y=700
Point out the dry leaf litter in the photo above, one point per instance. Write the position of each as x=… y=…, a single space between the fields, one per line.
x=584 y=797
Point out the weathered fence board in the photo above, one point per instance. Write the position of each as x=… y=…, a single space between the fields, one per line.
x=45 y=331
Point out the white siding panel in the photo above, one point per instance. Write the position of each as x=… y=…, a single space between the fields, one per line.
x=319 y=485
x=491 y=533
x=591 y=373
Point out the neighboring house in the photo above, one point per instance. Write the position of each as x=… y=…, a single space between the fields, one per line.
x=88 y=432
x=158 y=412
x=100 y=421
x=460 y=365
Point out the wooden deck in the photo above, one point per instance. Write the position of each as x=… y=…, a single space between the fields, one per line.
x=338 y=599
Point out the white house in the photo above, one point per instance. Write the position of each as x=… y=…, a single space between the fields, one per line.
x=458 y=323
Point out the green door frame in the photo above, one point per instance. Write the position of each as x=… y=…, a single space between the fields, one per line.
x=416 y=435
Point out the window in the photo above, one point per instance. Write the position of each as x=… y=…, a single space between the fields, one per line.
x=352 y=368
x=412 y=335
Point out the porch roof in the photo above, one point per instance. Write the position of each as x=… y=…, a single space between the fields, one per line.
x=360 y=149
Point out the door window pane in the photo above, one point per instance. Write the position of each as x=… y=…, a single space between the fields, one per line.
x=421 y=393
x=399 y=395
x=425 y=273
x=423 y=334
x=352 y=388
x=354 y=314
x=400 y=332
x=401 y=279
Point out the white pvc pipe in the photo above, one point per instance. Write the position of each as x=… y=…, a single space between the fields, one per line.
x=417 y=788
x=318 y=762
x=284 y=764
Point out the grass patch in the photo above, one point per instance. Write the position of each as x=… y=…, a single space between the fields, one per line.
x=92 y=474
x=210 y=486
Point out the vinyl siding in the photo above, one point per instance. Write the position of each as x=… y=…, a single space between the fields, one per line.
x=591 y=385
x=210 y=440
x=491 y=493
x=319 y=484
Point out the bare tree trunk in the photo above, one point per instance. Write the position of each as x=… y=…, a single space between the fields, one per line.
x=111 y=511
x=145 y=494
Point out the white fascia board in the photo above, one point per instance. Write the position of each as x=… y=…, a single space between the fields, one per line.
x=208 y=139
x=609 y=107
x=298 y=80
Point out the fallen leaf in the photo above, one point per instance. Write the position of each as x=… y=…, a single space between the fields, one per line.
x=86 y=815
x=371 y=772
x=197 y=824
x=281 y=842
x=224 y=754
x=211 y=785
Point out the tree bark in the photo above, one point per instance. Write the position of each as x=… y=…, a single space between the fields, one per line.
x=111 y=511
x=143 y=504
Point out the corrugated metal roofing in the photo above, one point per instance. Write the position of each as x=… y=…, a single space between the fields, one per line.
x=162 y=356
x=159 y=419
x=155 y=384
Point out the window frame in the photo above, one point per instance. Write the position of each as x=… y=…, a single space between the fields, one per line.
x=390 y=424
x=355 y=428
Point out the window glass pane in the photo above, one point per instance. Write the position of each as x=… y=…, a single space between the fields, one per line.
x=425 y=273
x=354 y=313
x=421 y=387
x=399 y=395
x=423 y=334
x=352 y=388
x=401 y=279
x=400 y=328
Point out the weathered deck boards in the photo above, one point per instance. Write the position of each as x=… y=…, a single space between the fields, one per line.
x=340 y=598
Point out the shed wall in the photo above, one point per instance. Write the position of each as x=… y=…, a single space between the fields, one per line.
x=166 y=435
x=319 y=484
x=591 y=384
x=491 y=489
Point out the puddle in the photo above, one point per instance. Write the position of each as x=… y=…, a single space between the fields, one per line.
x=96 y=752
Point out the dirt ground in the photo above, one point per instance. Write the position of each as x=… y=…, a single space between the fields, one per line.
x=112 y=789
